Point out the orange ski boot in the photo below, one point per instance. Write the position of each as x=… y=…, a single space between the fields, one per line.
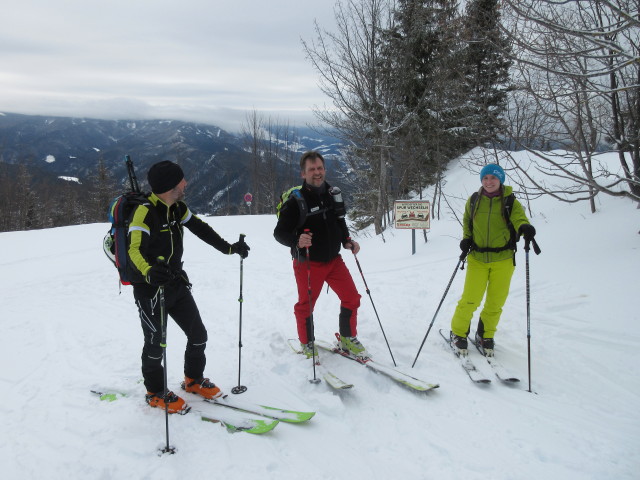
x=174 y=403
x=202 y=387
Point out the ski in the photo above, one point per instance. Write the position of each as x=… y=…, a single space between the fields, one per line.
x=289 y=416
x=474 y=374
x=498 y=369
x=335 y=382
x=390 y=372
x=232 y=421
x=332 y=380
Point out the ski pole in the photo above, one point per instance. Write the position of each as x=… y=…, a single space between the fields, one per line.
x=460 y=261
x=374 y=309
x=240 y=388
x=312 y=332
x=163 y=344
x=537 y=250
x=133 y=180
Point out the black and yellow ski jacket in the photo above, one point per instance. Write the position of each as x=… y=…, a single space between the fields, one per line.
x=157 y=230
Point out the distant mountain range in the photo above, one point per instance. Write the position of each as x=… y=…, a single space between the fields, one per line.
x=215 y=162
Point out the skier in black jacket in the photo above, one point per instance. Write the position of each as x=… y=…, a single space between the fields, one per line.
x=322 y=234
x=156 y=235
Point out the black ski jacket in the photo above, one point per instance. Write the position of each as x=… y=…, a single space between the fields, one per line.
x=329 y=231
x=157 y=230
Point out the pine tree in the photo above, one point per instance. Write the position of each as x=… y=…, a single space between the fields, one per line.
x=486 y=72
x=423 y=47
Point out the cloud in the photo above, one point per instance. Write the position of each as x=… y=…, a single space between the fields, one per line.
x=198 y=60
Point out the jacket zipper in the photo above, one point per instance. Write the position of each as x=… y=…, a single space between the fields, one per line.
x=170 y=232
x=486 y=255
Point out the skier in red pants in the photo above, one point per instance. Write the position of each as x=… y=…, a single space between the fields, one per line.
x=314 y=223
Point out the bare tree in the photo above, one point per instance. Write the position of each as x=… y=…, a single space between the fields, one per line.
x=26 y=202
x=356 y=76
x=289 y=157
x=578 y=75
x=252 y=132
x=102 y=194
x=272 y=159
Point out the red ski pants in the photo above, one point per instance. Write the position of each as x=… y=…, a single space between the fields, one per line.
x=338 y=277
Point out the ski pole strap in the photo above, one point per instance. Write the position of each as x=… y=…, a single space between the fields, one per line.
x=536 y=248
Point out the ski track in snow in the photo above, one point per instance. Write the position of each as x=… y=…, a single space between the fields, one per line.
x=67 y=329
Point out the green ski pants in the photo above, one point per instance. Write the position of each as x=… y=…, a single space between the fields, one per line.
x=493 y=278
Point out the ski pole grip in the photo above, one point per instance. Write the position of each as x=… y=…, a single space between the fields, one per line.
x=163 y=261
x=242 y=235
x=306 y=230
x=351 y=242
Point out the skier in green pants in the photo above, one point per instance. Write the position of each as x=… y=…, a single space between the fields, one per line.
x=492 y=217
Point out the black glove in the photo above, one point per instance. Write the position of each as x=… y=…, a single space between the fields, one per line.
x=527 y=231
x=159 y=275
x=241 y=248
x=465 y=245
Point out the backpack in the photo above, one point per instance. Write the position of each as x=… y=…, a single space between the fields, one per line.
x=116 y=242
x=294 y=192
x=506 y=214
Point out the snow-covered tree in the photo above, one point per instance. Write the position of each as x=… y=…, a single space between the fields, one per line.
x=577 y=71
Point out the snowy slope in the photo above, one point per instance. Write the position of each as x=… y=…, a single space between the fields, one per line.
x=66 y=329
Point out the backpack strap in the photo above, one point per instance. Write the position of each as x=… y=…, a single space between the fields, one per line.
x=302 y=207
x=506 y=214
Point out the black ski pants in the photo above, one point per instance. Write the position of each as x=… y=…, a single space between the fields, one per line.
x=182 y=308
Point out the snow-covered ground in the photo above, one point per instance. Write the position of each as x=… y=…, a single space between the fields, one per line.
x=66 y=329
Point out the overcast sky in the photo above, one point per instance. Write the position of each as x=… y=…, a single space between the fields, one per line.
x=208 y=61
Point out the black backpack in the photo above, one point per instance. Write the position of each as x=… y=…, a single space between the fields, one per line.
x=506 y=214
x=116 y=242
x=294 y=193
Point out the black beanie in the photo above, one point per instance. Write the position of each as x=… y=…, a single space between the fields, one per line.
x=164 y=176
